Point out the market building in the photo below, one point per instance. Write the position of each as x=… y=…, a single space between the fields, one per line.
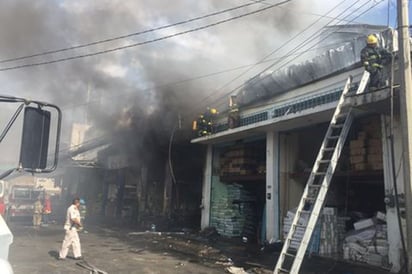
x=256 y=169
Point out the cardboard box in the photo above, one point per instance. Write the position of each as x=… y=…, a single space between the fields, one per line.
x=375 y=158
x=360 y=166
x=381 y=250
x=362 y=135
x=374 y=259
x=381 y=216
x=330 y=211
x=363 y=224
x=357 y=143
x=376 y=166
x=375 y=150
x=356 y=151
x=357 y=159
x=374 y=143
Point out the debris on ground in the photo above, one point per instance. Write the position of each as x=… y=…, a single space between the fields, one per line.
x=90 y=267
x=209 y=233
x=236 y=270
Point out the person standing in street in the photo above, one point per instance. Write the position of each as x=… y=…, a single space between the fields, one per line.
x=47 y=209
x=71 y=238
x=38 y=209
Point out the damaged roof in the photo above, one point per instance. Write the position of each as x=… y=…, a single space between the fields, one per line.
x=338 y=49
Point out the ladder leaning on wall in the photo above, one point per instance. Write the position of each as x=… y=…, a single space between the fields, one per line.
x=317 y=186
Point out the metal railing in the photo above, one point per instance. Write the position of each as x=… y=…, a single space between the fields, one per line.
x=297 y=105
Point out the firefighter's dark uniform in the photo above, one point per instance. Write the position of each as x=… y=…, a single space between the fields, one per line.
x=204 y=124
x=373 y=58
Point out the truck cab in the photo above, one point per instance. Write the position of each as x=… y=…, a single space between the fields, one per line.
x=21 y=202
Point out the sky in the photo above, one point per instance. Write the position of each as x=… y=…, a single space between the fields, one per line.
x=172 y=77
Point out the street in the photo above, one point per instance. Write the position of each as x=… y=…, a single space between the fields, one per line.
x=122 y=250
x=35 y=251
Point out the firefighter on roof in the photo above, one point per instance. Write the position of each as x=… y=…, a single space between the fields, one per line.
x=204 y=124
x=233 y=119
x=373 y=59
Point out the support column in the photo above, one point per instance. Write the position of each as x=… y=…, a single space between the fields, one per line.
x=206 y=189
x=405 y=97
x=394 y=238
x=272 y=187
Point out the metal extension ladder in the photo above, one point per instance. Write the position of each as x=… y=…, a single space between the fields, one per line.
x=314 y=195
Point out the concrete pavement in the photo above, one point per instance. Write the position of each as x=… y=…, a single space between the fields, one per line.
x=34 y=251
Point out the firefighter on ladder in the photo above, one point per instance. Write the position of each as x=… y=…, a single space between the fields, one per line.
x=373 y=59
x=204 y=124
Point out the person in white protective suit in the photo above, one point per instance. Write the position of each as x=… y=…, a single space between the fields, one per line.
x=72 y=225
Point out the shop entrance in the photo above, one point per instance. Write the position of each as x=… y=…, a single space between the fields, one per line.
x=238 y=189
x=353 y=223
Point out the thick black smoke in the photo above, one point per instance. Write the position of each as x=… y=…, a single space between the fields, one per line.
x=100 y=89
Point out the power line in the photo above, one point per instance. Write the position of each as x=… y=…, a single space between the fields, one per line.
x=277 y=49
x=129 y=35
x=144 y=42
x=306 y=42
x=100 y=137
x=189 y=79
x=289 y=52
x=240 y=67
x=302 y=12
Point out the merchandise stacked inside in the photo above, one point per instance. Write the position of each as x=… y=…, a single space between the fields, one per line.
x=238 y=190
x=353 y=224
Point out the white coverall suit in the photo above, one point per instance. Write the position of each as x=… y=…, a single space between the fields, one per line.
x=72 y=237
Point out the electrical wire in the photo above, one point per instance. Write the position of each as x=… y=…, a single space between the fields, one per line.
x=300 y=46
x=199 y=77
x=130 y=96
x=129 y=35
x=274 y=51
x=189 y=79
x=144 y=42
x=300 y=12
x=290 y=54
x=104 y=136
x=83 y=144
x=280 y=47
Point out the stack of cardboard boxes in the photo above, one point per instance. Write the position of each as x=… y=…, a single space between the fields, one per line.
x=287 y=224
x=329 y=237
x=368 y=241
x=240 y=160
x=324 y=239
x=366 y=149
x=228 y=217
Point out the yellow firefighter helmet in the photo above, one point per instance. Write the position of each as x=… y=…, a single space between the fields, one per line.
x=371 y=39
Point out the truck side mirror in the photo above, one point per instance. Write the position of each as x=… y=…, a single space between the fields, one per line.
x=35 y=138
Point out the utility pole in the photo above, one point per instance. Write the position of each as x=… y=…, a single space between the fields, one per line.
x=406 y=114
